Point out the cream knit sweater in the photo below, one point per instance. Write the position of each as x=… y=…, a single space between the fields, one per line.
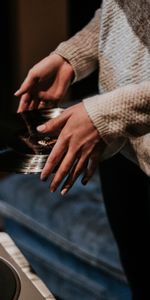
x=117 y=41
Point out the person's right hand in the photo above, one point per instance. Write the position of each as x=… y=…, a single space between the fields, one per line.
x=47 y=80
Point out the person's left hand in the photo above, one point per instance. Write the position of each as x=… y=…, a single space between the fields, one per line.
x=77 y=149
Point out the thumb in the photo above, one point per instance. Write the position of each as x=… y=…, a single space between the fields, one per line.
x=54 y=124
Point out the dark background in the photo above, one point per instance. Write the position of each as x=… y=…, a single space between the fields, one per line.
x=85 y=13
x=79 y=13
x=5 y=55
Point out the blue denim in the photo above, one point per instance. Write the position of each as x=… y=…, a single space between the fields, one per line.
x=67 y=240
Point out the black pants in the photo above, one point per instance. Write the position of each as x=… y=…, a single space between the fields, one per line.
x=127 y=200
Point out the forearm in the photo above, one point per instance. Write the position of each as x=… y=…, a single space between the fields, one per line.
x=122 y=113
x=82 y=49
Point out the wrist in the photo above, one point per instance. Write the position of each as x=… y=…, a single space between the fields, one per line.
x=69 y=69
x=65 y=64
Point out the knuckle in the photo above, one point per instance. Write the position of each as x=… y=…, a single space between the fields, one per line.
x=63 y=172
x=65 y=137
x=52 y=160
x=68 y=165
x=55 y=183
x=50 y=96
x=47 y=125
x=57 y=95
x=31 y=73
x=74 y=147
x=22 y=100
x=59 y=92
x=56 y=98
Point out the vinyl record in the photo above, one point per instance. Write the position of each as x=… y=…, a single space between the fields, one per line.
x=11 y=161
x=23 y=149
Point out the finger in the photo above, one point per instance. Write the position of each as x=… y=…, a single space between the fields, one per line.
x=57 y=90
x=52 y=93
x=24 y=102
x=28 y=83
x=74 y=174
x=42 y=104
x=93 y=163
x=48 y=103
x=63 y=170
x=54 y=124
x=34 y=104
x=47 y=95
x=57 y=153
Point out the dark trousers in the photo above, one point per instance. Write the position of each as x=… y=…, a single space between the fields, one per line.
x=127 y=199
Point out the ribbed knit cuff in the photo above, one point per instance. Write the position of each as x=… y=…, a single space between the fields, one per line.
x=113 y=141
x=69 y=54
x=95 y=107
x=81 y=50
x=114 y=145
x=124 y=112
x=82 y=63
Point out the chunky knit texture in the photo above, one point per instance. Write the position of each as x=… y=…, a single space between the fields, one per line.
x=117 y=40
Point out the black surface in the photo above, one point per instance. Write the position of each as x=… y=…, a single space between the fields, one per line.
x=6 y=54
x=9 y=282
x=126 y=192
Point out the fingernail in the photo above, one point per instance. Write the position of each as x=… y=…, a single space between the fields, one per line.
x=17 y=93
x=84 y=181
x=64 y=192
x=52 y=189
x=44 y=178
x=41 y=128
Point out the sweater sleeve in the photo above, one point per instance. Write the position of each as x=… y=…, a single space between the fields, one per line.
x=82 y=49
x=122 y=113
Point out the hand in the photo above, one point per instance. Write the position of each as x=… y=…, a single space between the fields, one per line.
x=77 y=148
x=47 y=80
